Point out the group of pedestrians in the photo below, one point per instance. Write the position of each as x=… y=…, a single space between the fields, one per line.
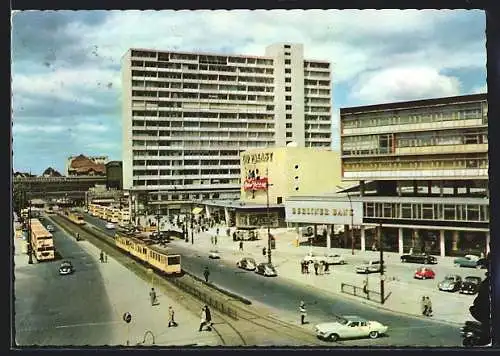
x=426 y=306
x=320 y=267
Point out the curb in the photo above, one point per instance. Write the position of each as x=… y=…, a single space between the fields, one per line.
x=219 y=289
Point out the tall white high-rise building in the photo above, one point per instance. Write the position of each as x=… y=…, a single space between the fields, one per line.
x=187 y=116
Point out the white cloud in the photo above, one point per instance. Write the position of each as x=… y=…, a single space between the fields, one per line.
x=88 y=127
x=404 y=83
x=21 y=128
x=480 y=89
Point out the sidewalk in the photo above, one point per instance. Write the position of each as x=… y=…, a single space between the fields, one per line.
x=129 y=293
x=450 y=308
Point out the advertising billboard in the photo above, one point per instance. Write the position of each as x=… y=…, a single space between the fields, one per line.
x=324 y=212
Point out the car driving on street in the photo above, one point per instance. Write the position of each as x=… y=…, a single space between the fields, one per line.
x=214 y=254
x=266 y=269
x=450 y=283
x=65 y=268
x=349 y=326
x=246 y=263
x=50 y=228
x=470 y=285
x=422 y=258
x=110 y=226
x=372 y=266
x=424 y=273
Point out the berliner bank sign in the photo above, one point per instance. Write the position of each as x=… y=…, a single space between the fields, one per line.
x=324 y=212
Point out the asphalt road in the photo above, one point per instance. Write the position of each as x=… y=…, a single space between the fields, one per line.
x=61 y=310
x=283 y=299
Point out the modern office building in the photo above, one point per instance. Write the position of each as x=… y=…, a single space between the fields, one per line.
x=422 y=169
x=188 y=116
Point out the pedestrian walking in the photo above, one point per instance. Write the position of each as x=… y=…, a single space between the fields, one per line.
x=303 y=312
x=212 y=240
x=215 y=239
x=208 y=318
x=365 y=286
x=105 y=258
x=327 y=267
x=101 y=257
x=152 y=296
x=241 y=245
x=429 y=306
x=171 y=320
x=203 y=319
x=316 y=266
x=228 y=232
x=217 y=231
x=423 y=305
x=206 y=273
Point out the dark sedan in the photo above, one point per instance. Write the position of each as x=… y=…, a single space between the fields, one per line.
x=421 y=258
x=470 y=285
x=65 y=268
x=266 y=269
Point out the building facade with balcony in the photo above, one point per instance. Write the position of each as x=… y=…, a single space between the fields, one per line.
x=422 y=168
x=188 y=116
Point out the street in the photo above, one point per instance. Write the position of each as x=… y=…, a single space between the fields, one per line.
x=282 y=298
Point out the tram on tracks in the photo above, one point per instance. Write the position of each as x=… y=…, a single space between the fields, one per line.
x=153 y=256
x=76 y=218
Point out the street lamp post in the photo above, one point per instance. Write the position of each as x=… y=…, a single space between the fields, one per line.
x=352 y=221
x=30 y=251
x=268 y=219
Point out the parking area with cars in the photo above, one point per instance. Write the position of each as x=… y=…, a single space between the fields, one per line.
x=363 y=267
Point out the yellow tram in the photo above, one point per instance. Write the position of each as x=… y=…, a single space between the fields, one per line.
x=155 y=257
x=76 y=218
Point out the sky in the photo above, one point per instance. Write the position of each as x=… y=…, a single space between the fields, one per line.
x=66 y=89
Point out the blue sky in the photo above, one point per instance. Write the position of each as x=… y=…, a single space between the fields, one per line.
x=66 y=64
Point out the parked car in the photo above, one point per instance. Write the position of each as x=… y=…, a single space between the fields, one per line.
x=419 y=258
x=214 y=254
x=349 y=326
x=50 y=228
x=470 y=285
x=110 y=226
x=266 y=269
x=372 y=266
x=334 y=259
x=450 y=283
x=424 y=273
x=65 y=268
x=471 y=261
x=246 y=263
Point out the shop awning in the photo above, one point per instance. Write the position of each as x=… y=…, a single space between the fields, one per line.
x=196 y=211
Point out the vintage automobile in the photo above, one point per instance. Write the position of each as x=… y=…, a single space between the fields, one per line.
x=470 y=285
x=349 y=326
x=471 y=261
x=246 y=263
x=421 y=258
x=266 y=269
x=328 y=258
x=50 y=228
x=110 y=226
x=424 y=273
x=372 y=266
x=65 y=268
x=214 y=254
x=450 y=283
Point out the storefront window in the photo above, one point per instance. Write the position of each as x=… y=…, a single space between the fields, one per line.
x=449 y=212
x=406 y=211
x=472 y=212
x=427 y=211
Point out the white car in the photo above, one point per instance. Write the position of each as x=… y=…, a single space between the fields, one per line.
x=369 y=267
x=110 y=226
x=50 y=228
x=349 y=326
x=214 y=254
x=334 y=259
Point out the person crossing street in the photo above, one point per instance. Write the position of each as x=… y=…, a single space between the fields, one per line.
x=303 y=313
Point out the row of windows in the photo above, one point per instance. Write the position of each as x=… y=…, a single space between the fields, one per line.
x=201 y=86
x=188 y=95
x=179 y=144
x=317 y=101
x=415 y=116
x=173 y=182
x=317 y=74
x=317 y=82
x=152 y=113
x=419 y=164
x=194 y=125
x=317 y=127
x=308 y=64
x=213 y=162
x=183 y=172
x=316 y=109
x=199 y=77
x=437 y=211
x=308 y=91
x=200 y=67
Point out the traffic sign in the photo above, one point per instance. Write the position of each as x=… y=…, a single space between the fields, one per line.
x=127 y=317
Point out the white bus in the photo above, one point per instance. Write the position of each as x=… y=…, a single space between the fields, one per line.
x=42 y=242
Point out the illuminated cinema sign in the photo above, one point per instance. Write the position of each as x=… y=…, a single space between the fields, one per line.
x=255 y=184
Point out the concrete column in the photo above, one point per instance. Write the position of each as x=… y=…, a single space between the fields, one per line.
x=226 y=216
x=363 y=238
x=442 y=249
x=454 y=241
x=400 y=241
x=362 y=188
x=329 y=240
x=487 y=242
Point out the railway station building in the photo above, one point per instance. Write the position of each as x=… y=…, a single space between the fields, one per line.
x=419 y=171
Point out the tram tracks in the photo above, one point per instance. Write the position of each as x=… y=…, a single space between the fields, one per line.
x=244 y=326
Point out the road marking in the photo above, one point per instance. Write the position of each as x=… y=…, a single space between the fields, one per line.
x=86 y=324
